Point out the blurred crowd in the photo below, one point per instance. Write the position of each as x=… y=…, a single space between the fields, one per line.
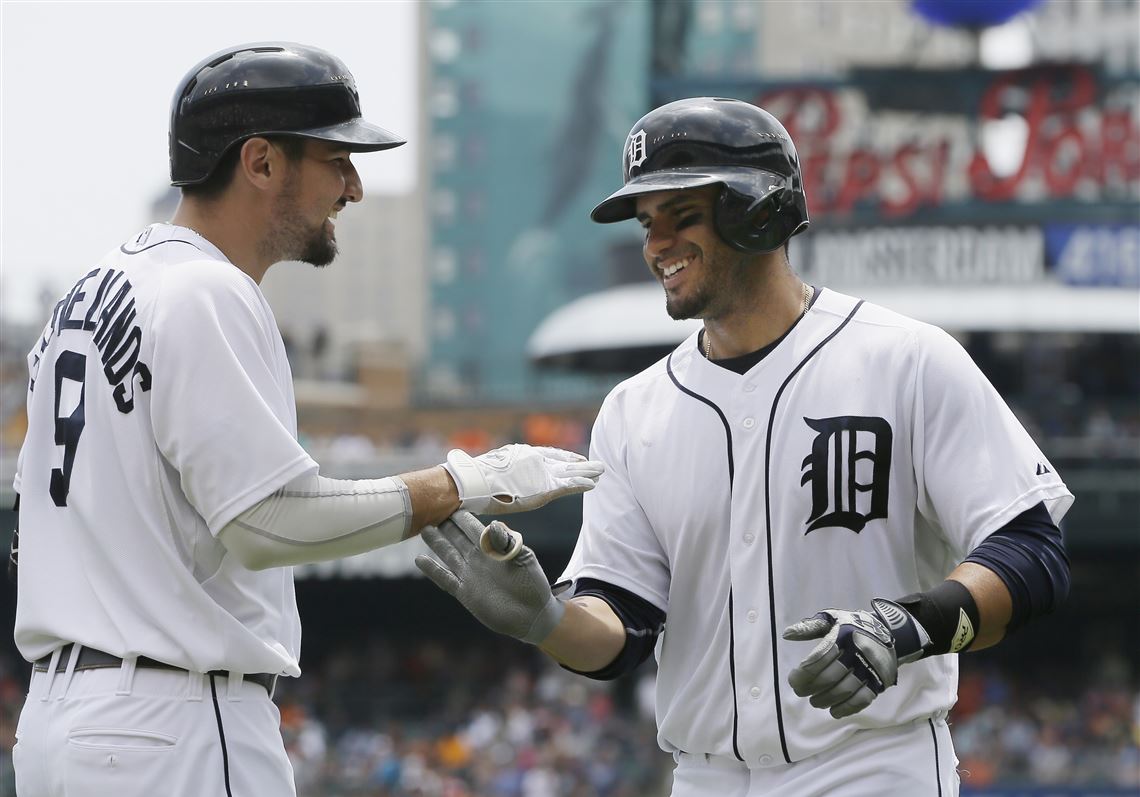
x=351 y=448
x=432 y=719
x=1079 y=396
x=1017 y=729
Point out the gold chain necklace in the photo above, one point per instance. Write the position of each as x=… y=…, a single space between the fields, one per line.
x=807 y=294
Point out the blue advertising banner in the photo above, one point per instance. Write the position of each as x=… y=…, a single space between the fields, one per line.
x=1104 y=255
x=1076 y=255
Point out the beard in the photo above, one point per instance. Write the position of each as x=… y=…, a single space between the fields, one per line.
x=725 y=275
x=692 y=306
x=294 y=237
x=319 y=250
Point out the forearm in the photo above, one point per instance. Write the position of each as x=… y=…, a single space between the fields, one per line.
x=434 y=497
x=995 y=608
x=1018 y=573
x=589 y=637
x=315 y=518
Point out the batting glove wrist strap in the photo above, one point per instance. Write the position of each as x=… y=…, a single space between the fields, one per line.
x=518 y=478
x=948 y=613
x=910 y=639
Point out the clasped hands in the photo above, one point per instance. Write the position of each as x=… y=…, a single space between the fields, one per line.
x=489 y=570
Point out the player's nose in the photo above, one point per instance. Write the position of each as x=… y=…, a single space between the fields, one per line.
x=353 y=187
x=658 y=239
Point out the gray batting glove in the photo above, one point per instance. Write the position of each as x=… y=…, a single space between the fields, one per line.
x=858 y=656
x=508 y=595
x=518 y=477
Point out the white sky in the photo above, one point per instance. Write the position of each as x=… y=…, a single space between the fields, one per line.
x=85 y=90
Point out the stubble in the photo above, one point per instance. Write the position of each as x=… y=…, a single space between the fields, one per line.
x=294 y=237
x=724 y=282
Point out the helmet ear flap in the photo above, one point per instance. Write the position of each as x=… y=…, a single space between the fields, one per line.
x=749 y=224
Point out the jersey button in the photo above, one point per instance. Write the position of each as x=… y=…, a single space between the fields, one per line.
x=749 y=423
x=752 y=615
x=749 y=538
x=755 y=692
x=749 y=388
x=765 y=760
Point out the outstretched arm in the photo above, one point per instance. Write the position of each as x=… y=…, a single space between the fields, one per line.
x=315 y=518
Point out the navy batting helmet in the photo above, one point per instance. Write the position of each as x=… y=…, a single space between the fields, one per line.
x=275 y=88
x=710 y=141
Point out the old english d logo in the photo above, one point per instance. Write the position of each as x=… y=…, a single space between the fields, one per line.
x=636 y=150
x=847 y=449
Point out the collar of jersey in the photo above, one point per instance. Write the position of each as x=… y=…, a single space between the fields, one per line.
x=165 y=231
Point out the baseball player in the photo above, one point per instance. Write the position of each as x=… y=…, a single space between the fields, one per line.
x=163 y=493
x=804 y=455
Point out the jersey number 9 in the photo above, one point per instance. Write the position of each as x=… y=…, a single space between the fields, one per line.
x=71 y=366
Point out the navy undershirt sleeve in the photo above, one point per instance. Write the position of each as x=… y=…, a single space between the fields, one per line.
x=642 y=620
x=1028 y=555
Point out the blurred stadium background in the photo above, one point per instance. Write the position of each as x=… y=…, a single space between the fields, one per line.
x=973 y=164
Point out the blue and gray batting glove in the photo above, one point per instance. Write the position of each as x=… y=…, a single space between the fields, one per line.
x=858 y=655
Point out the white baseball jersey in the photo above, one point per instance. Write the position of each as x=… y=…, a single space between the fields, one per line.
x=160 y=406
x=865 y=456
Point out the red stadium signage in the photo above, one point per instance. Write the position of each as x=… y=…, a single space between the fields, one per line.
x=863 y=148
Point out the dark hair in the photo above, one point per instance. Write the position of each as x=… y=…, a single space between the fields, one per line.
x=223 y=174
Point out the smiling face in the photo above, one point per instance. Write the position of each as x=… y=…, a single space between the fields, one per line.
x=316 y=188
x=702 y=275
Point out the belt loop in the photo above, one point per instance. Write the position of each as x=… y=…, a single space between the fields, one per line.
x=50 y=674
x=195 y=684
x=69 y=673
x=127 y=675
x=233 y=689
x=273 y=685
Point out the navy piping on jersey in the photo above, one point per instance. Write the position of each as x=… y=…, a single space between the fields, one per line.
x=221 y=736
x=715 y=408
x=125 y=251
x=768 y=524
x=731 y=621
x=937 y=769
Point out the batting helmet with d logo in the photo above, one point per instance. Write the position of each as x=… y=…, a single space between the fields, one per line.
x=275 y=88
x=709 y=141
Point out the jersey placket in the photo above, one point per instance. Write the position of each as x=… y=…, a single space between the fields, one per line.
x=760 y=735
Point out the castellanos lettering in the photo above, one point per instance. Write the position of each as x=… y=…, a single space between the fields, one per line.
x=101 y=303
x=845 y=450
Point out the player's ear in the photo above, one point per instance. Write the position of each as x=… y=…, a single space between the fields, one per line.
x=259 y=161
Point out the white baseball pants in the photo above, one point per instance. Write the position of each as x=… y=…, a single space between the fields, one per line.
x=141 y=732
x=912 y=760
